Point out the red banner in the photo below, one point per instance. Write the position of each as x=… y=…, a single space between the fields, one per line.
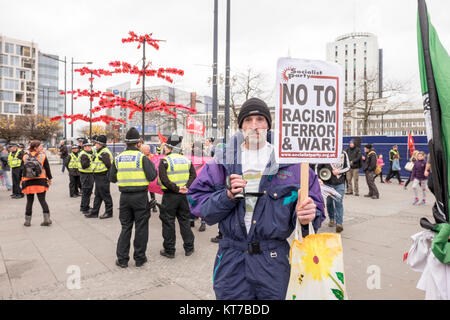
x=194 y=126
x=410 y=144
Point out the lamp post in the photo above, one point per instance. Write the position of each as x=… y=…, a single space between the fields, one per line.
x=65 y=86
x=227 y=77
x=90 y=107
x=71 y=107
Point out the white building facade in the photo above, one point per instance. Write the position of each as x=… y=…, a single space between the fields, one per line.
x=361 y=58
x=18 y=77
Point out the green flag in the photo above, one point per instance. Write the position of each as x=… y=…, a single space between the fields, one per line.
x=434 y=66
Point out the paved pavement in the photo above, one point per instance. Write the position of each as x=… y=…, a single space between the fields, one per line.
x=42 y=262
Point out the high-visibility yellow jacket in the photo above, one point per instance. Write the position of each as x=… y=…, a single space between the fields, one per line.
x=130 y=170
x=177 y=170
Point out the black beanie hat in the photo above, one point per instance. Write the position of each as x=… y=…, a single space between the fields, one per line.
x=368 y=146
x=254 y=106
x=132 y=136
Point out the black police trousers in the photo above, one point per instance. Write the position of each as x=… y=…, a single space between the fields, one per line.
x=175 y=205
x=134 y=209
x=87 y=184
x=102 y=193
x=74 y=185
x=16 y=176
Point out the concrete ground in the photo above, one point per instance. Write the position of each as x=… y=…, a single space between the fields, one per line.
x=44 y=262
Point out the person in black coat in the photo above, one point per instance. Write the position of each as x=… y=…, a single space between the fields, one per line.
x=369 y=167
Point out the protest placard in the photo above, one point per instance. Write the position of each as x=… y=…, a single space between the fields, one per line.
x=309 y=111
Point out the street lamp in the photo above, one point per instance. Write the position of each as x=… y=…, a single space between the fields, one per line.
x=65 y=85
x=71 y=108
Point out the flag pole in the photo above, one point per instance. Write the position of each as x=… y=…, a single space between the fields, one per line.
x=431 y=102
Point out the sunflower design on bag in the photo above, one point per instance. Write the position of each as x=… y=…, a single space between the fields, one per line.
x=320 y=251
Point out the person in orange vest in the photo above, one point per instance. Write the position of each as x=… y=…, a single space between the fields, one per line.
x=36 y=179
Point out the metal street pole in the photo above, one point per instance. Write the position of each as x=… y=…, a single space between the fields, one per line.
x=227 y=78
x=143 y=91
x=71 y=126
x=65 y=97
x=215 y=102
x=48 y=102
x=71 y=107
x=90 y=108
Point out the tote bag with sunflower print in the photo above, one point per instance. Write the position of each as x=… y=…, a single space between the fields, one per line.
x=317 y=267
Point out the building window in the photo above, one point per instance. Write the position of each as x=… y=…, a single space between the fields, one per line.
x=6 y=95
x=6 y=72
x=9 y=47
x=11 y=108
x=14 y=61
x=11 y=84
x=3 y=59
x=23 y=74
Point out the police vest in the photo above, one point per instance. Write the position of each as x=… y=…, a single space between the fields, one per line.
x=13 y=160
x=99 y=166
x=73 y=163
x=89 y=169
x=130 y=170
x=177 y=171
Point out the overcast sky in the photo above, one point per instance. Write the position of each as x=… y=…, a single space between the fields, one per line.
x=261 y=32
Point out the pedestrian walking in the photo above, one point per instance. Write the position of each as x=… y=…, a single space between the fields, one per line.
x=133 y=172
x=176 y=174
x=412 y=160
x=419 y=178
x=355 y=157
x=15 y=161
x=86 y=169
x=335 y=207
x=102 y=163
x=369 y=167
x=6 y=168
x=74 y=174
x=379 y=169
x=392 y=153
x=252 y=259
x=63 y=153
x=36 y=178
x=396 y=169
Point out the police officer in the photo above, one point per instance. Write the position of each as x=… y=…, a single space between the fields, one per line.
x=102 y=163
x=74 y=174
x=15 y=161
x=132 y=171
x=86 y=169
x=176 y=174
x=80 y=142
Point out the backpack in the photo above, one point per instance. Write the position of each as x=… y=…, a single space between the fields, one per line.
x=33 y=167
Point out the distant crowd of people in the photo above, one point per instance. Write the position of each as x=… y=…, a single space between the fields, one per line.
x=343 y=176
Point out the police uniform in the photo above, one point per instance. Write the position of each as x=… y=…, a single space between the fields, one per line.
x=74 y=174
x=133 y=172
x=86 y=169
x=102 y=163
x=15 y=161
x=175 y=171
